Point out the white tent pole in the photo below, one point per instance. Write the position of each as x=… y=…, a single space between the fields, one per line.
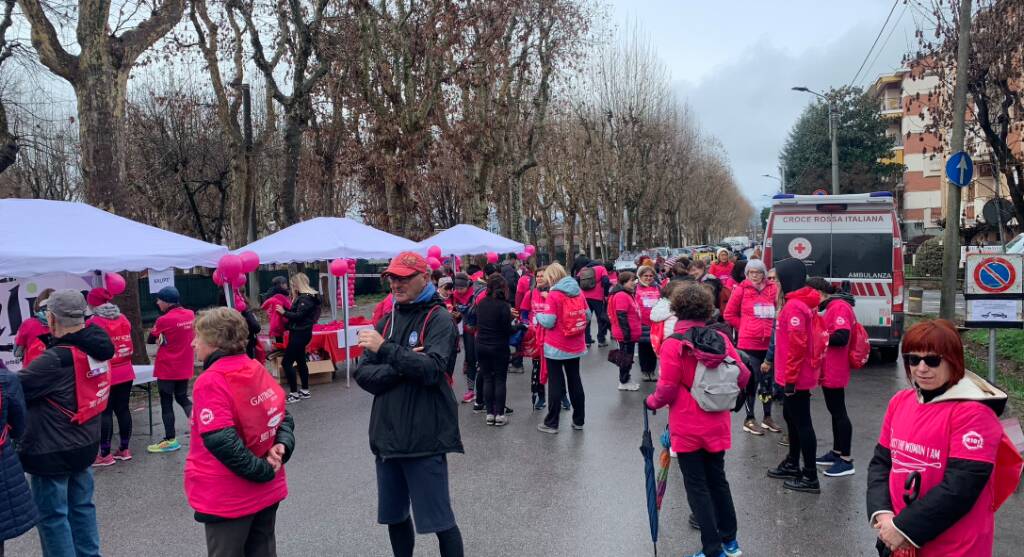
x=229 y=296
x=344 y=330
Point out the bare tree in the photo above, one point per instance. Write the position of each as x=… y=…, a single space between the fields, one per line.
x=99 y=76
x=299 y=35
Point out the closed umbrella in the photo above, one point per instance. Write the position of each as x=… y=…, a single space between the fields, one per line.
x=647 y=450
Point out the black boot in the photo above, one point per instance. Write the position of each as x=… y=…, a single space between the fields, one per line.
x=807 y=482
x=786 y=470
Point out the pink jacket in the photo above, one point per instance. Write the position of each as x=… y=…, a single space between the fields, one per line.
x=620 y=301
x=277 y=321
x=752 y=312
x=690 y=427
x=836 y=368
x=794 y=330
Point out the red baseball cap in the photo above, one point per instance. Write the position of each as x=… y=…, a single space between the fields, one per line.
x=406 y=264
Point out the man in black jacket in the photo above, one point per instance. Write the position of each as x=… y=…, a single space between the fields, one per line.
x=56 y=452
x=414 y=422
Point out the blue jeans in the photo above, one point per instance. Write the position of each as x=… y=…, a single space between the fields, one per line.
x=67 y=525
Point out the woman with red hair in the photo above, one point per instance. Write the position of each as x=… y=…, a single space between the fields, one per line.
x=931 y=483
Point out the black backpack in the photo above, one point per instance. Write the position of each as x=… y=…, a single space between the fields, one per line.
x=588 y=278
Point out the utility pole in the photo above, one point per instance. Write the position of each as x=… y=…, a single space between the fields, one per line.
x=951 y=234
x=833 y=124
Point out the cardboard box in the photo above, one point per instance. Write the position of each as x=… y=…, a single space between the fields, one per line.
x=320 y=371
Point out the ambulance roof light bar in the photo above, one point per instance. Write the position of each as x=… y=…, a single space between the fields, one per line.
x=793 y=199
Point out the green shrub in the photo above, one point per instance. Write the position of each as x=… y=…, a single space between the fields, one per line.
x=928 y=261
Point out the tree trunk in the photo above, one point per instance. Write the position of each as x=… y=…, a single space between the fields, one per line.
x=294 y=124
x=101 y=121
x=128 y=301
x=8 y=143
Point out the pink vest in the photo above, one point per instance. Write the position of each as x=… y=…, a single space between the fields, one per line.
x=646 y=297
x=554 y=337
x=120 y=332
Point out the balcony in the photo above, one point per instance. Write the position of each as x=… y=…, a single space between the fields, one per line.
x=891 y=107
x=895 y=158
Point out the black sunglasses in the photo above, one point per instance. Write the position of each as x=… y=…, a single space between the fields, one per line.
x=931 y=360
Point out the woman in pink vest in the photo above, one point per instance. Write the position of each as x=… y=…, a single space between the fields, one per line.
x=647 y=296
x=108 y=317
x=626 y=328
x=751 y=312
x=242 y=435
x=699 y=437
x=564 y=322
x=29 y=342
x=796 y=371
x=937 y=478
x=835 y=374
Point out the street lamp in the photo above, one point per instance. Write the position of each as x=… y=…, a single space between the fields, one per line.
x=833 y=132
x=782 y=182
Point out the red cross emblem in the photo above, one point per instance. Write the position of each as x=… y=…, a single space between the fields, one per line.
x=799 y=248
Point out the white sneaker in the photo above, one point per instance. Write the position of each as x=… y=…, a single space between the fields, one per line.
x=623 y=386
x=629 y=386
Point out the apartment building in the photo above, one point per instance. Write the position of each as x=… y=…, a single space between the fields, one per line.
x=904 y=99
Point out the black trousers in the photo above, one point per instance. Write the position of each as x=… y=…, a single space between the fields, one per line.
x=796 y=409
x=842 y=428
x=757 y=358
x=648 y=359
x=469 y=365
x=598 y=309
x=493 y=361
x=564 y=374
x=171 y=391
x=247 y=536
x=707 y=492
x=117 y=405
x=295 y=355
x=627 y=349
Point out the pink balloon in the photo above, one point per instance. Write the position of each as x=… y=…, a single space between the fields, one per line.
x=238 y=280
x=351 y=266
x=492 y=257
x=523 y=256
x=240 y=304
x=229 y=265
x=218 y=279
x=115 y=283
x=434 y=251
x=434 y=263
x=250 y=261
x=338 y=267
x=531 y=249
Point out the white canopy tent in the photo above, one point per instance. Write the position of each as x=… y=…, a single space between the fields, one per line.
x=326 y=238
x=463 y=239
x=44 y=237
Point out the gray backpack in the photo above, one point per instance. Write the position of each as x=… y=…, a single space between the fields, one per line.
x=715 y=389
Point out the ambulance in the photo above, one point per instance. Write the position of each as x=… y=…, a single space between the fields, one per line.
x=851 y=238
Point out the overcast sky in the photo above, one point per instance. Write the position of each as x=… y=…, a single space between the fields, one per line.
x=734 y=62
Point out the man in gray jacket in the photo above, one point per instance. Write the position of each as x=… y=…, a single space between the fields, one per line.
x=56 y=451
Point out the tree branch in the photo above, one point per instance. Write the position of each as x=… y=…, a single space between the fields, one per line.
x=47 y=44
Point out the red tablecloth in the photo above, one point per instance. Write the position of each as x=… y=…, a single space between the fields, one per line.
x=325 y=340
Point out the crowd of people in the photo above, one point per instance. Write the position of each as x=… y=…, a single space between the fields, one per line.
x=715 y=339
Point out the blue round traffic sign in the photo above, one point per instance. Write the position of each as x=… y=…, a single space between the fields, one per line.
x=995 y=275
x=960 y=169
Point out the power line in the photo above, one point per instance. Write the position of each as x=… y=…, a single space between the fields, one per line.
x=881 y=49
x=870 y=50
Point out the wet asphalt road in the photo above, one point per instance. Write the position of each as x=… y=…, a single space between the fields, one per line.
x=517 y=491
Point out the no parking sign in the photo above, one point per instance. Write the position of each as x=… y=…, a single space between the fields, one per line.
x=994 y=290
x=994 y=273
